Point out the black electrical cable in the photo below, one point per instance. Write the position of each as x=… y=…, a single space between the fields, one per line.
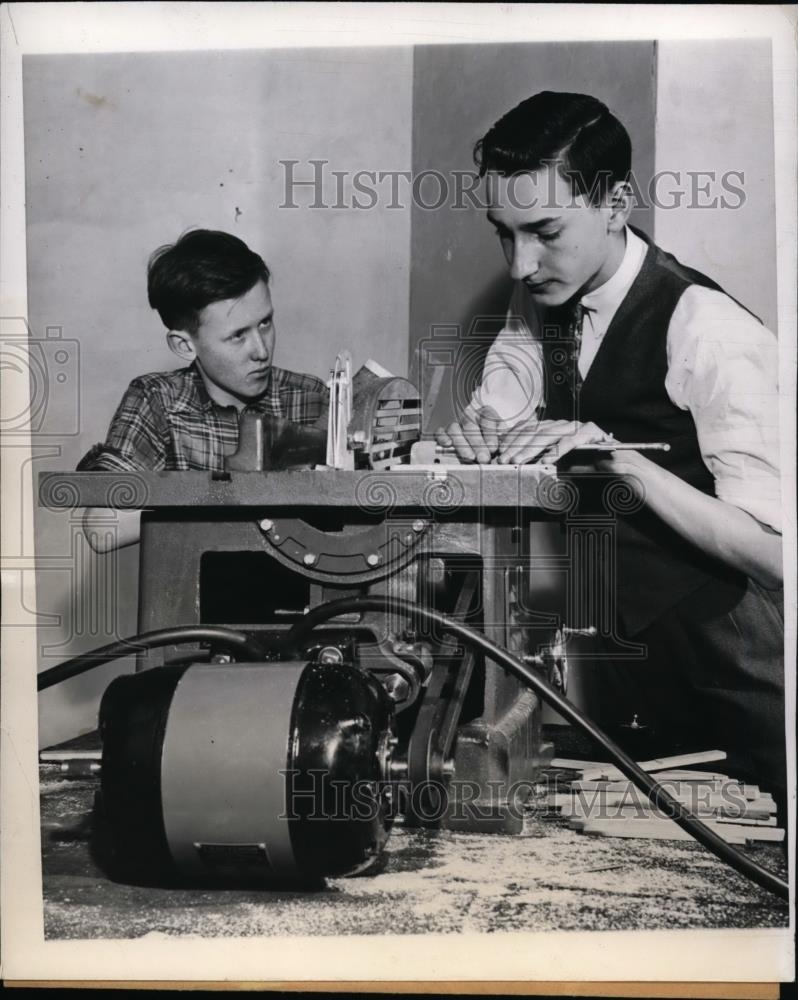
x=244 y=645
x=656 y=793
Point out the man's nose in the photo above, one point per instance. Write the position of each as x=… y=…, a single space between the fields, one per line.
x=260 y=344
x=526 y=260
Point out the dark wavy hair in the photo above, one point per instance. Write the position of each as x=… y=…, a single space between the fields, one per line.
x=203 y=266
x=590 y=146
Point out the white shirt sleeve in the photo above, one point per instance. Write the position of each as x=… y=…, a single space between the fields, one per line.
x=512 y=377
x=723 y=368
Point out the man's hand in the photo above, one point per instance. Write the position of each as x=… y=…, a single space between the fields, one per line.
x=548 y=441
x=476 y=439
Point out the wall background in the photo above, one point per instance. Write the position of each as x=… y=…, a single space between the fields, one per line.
x=715 y=113
x=124 y=152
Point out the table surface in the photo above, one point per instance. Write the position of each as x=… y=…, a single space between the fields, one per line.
x=547 y=878
x=439 y=489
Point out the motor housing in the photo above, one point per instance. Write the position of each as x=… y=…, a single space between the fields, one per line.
x=271 y=773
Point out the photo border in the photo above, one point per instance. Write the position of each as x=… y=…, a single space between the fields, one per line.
x=746 y=956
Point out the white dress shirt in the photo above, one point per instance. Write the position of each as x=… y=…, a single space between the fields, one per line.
x=722 y=367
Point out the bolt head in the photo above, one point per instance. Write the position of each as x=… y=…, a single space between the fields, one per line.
x=373 y=559
x=266 y=524
x=418 y=526
x=331 y=654
x=309 y=558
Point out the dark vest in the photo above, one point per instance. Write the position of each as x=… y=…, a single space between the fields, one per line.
x=624 y=394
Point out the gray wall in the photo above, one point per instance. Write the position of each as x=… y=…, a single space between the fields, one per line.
x=715 y=114
x=123 y=153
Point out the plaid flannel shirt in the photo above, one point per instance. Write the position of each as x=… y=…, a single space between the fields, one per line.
x=168 y=422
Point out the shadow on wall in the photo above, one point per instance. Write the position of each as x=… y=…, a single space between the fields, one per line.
x=447 y=399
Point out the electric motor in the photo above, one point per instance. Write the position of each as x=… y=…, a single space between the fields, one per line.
x=270 y=773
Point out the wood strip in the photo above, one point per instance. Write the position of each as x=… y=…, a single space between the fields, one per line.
x=610 y=772
x=691 y=777
x=576 y=811
x=717 y=786
x=666 y=829
x=57 y=756
x=731 y=789
x=645 y=831
x=569 y=764
x=636 y=799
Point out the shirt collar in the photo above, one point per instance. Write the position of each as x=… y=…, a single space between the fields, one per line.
x=196 y=395
x=603 y=302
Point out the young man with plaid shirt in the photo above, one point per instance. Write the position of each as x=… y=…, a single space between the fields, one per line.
x=212 y=294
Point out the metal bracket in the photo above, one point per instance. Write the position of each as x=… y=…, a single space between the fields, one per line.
x=360 y=556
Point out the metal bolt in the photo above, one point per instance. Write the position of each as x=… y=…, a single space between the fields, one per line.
x=533 y=658
x=591 y=630
x=373 y=559
x=418 y=526
x=398 y=770
x=309 y=558
x=331 y=654
x=397 y=687
x=266 y=524
x=436 y=571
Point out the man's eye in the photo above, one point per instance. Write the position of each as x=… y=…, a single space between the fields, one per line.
x=550 y=237
x=265 y=325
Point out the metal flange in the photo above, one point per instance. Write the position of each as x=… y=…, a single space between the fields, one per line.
x=359 y=555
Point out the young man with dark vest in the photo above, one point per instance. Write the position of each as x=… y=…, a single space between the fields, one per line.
x=610 y=337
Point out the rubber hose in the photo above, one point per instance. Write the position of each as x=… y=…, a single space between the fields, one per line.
x=238 y=642
x=655 y=792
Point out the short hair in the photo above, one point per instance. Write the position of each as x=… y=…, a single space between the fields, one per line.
x=203 y=266
x=590 y=146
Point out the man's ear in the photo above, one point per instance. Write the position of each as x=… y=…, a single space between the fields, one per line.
x=181 y=344
x=620 y=205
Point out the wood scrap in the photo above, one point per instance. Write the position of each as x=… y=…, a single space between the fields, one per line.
x=575 y=809
x=667 y=829
x=600 y=800
x=608 y=772
x=568 y=764
x=674 y=779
